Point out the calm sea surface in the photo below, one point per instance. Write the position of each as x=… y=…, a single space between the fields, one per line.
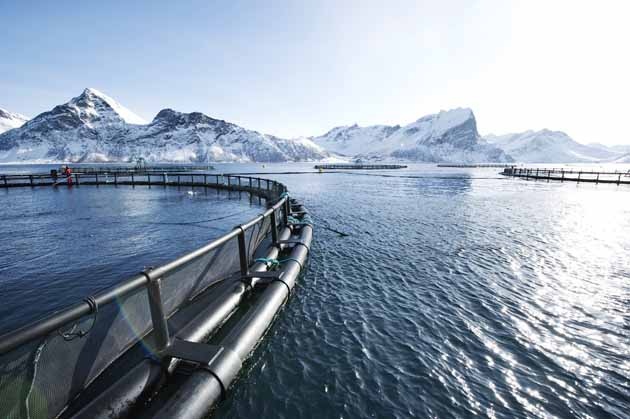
x=457 y=292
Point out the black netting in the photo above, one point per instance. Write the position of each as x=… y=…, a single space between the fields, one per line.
x=53 y=370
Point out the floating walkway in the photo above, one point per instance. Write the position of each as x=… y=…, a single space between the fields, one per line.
x=563 y=175
x=359 y=166
x=138 y=349
x=462 y=166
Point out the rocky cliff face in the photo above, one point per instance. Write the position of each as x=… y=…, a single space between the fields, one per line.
x=449 y=136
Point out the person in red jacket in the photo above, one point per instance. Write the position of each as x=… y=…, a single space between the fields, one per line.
x=68 y=172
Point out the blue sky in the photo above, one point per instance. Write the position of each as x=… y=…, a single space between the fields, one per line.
x=299 y=67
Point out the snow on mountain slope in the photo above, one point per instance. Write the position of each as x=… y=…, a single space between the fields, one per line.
x=449 y=136
x=547 y=146
x=94 y=96
x=10 y=120
x=623 y=159
x=177 y=136
x=94 y=127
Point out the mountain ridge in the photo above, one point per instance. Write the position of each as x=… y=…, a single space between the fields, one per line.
x=10 y=120
x=549 y=146
x=94 y=127
x=448 y=136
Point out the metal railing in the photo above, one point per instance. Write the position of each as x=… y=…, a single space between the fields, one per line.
x=562 y=175
x=150 y=279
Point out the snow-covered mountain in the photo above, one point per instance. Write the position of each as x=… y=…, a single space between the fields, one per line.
x=547 y=146
x=10 y=120
x=94 y=127
x=449 y=136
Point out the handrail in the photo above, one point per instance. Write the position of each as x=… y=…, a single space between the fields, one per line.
x=275 y=191
x=586 y=176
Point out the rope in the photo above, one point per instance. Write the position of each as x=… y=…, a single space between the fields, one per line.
x=73 y=333
x=305 y=220
x=275 y=263
x=271 y=263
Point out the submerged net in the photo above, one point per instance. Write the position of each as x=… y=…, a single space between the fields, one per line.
x=39 y=379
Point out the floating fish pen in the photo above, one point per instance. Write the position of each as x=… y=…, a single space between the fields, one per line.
x=564 y=175
x=359 y=166
x=169 y=341
x=255 y=185
x=141 y=169
x=482 y=166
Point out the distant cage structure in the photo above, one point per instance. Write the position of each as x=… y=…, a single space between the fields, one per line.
x=359 y=166
x=569 y=175
x=108 y=355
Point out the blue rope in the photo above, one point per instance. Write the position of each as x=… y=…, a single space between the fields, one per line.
x=270 y=262
x=274 y=263
x=305 y=220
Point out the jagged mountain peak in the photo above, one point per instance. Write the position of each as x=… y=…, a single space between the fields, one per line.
x=91 y=101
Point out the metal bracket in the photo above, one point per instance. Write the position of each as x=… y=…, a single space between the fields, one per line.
x=267 y=277
x=219 y=361
x=294 y=213
x=295 y=243
x=263 y=274
x=192 y=351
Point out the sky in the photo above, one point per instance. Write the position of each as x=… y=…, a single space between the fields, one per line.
x=299 y=68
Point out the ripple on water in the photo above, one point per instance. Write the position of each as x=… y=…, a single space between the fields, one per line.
x=453 y=298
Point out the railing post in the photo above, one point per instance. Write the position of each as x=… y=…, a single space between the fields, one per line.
x=242 y=252
x=4 y=178
x=164 y=178
x=597 y=180
x=115 y=178
x=619 y=179
x=562 y=180
x=133 y=180
x=217 y=179
x=287 y=209
x=239 y=182
x=579 y=175
x=97 y=178
x=158 y=316
x=205 y=180
x=30 y=178
x=258 y=183
x=274 y=228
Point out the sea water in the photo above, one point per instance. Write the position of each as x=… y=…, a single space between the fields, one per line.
x=456 y=292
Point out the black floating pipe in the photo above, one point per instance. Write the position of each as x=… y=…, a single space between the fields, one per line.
x=118 y=400
x=195 y=398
